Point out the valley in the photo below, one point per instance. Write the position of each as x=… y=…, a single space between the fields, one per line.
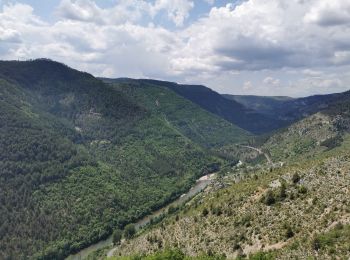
x=174 y=130
x=84 y=159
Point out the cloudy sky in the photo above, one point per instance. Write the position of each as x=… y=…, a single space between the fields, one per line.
x=263 y=47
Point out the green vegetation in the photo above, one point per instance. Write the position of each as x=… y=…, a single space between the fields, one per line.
x=183 y=116
x=270 y=213
x=117 y=236
x=335 y=240
x=213 y=102
x=170 y=254
x=79 y=159
x=129 y=231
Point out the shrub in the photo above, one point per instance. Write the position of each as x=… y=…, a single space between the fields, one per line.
x=302 y=190
x=117 y=236
x=269 y=198
x=316 y=243
x=129 y=231
x=295 y=178
x=283 y=193
x=205 y=212
x=289 y=232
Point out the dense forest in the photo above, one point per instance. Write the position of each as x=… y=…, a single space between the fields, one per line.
x=80 y=158
x=211 y=101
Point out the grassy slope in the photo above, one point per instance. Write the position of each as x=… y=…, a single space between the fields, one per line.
x=272 y=210
x=79 y=158
x=302 y=223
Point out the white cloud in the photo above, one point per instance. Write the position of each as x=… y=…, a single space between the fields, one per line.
x=329 y=13
x=89 y=11
x=125 y=11
x=177 y=10
x=247 y=85
x=272 y=82
x=258 y=39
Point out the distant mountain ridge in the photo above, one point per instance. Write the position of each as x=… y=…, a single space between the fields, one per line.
x=285 y=108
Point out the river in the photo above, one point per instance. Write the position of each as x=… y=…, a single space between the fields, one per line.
x=200 y=184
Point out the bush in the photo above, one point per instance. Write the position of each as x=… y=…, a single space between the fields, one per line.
x=117 y=236
x=269 y=198
x=262 y=256
x=129 y=231
x=302 y=190
x=316 y=243
x=295 y=178
x=289 y=232
x=283 y=193
x=205 y=212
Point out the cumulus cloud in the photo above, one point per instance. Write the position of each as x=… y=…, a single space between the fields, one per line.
x=270 y=81
x=177 y=10
x=329 y=13
x=250 y=38
x=126 y=11
x=260 y=35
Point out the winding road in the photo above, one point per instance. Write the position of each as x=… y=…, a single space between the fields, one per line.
x=268 y=158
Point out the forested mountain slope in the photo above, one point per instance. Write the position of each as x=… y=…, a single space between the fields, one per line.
x=230 y=110
x=79 y=158
x=189 y=119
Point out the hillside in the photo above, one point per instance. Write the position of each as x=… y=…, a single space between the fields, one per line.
x=262 y=104
x=209 y=100
x=189 y=119
x=80 y=158
x=290 y=213
x=288 y=109
x=297 y=210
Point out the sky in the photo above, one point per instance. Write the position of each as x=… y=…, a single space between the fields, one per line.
x=256 y=47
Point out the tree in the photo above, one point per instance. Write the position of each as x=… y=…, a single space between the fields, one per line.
x=283 y=193
x=129 y=231
x=205 y=212
x=269 y=198
x=117 y=236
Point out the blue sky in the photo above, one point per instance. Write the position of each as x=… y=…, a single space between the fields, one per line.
x=270 y=47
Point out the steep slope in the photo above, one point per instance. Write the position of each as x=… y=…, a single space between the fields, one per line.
x=213 y=102
x=313 y=135
x=298 y=210
x=186 y=117
x=262 y=104
x=79 y=158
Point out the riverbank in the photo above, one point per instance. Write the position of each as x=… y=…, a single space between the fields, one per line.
x=200 y=185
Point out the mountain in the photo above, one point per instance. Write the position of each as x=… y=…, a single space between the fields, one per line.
x=262 y=104
x=287 y=109
x=294 y=207
x=80 y=158
x=230 y=110
x=189 y=119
